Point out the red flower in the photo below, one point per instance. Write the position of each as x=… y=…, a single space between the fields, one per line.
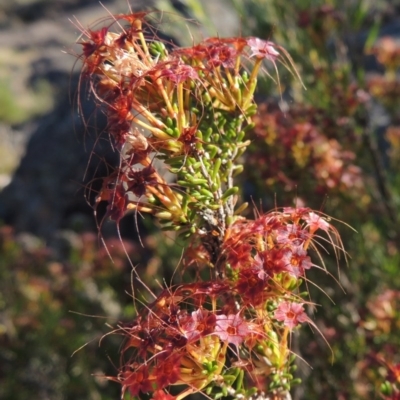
x=222 y=55
x=96 y=40
x=251 y=285
x=161 y=395
x=168 y=370
x=291 y=314
x=140 y=179
x=136 y=380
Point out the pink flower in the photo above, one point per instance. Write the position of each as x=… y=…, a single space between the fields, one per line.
x=180 y=73
x=231 y=328
x=291 y=234
x=262 y=49
x=200 y=323
x=291 y=314
x=295 y=261
x=316 y=222
x=259 y=267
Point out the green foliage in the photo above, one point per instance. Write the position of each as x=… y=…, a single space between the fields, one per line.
x=43 y=305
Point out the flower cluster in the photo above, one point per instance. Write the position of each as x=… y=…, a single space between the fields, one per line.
x=380 y=366
x=229 y=334
x=190 y=108
x=299 y=145
x=387 y=52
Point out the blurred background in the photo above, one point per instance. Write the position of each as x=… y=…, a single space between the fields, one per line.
x=334 y=147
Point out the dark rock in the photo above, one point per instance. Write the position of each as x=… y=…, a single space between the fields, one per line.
x=63 y=150
x=48 y=187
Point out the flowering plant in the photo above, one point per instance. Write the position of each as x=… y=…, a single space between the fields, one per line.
x=228 y=332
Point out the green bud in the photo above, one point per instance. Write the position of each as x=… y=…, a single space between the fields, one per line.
x=241 y=208
x=175 y=132
x=185 y=202
x=237 y=169
x=386 y=388
x=185 y=183
x=206 y=192
x=273 y=336
x=178 y=160
x=216 y=167
x=190 y=161
x=273 y=385
x=199 y=146
x=230 y=192
x=158 y=49
x=240 y=151
x=214 y=187
x=212 y=151
x=199 y=135
x=214 y=206
x=233 y=134
x=164 y=215
x=249 y=127
x=201 y=198
x=292 y=358
x=229 y=379
x=251 y=110
x=195 y=194
x=207 y=97
x=239 y=381
x=221 y=122
x=215 y=137
x=170 y=131
x=240 y=136
x=276 y=378
x=198 y=181
x=207 y=134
